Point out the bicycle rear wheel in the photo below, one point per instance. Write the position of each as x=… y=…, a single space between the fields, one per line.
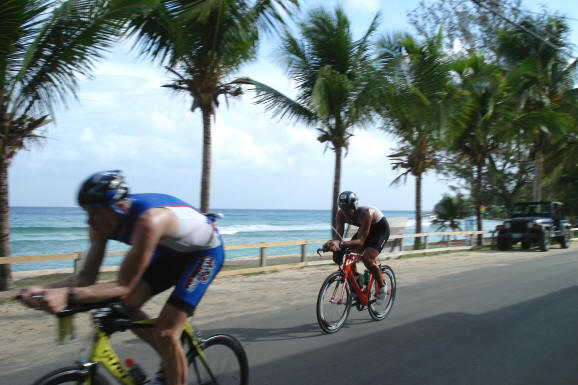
x=333 y=303
x=71 y=375
x=224 y=362
x=379 y=312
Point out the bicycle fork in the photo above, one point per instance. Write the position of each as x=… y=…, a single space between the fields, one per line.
x=338 y=293
x=195 y=340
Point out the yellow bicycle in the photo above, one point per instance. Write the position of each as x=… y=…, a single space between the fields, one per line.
x=219 y=359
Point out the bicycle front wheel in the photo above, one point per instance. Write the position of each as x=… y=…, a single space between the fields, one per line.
x=379 y=312
x=71 y=375
x=223 y=361
x=333 y=303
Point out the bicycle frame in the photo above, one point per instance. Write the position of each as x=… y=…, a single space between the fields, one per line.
x=102 y=353
x=363 y=295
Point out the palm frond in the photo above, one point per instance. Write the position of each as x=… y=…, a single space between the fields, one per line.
x=155 y=32
x=269 y=13
x=67 y=45
x=279 y=104
x=21 y=21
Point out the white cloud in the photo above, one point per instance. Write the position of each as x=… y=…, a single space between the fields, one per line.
x=368 y=145
x=126 y=120
x=235 y=146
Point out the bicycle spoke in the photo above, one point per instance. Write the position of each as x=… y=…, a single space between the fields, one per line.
x=333 y=303
x=379 y=312
x=220 y=362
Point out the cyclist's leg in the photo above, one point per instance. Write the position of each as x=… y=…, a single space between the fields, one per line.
x=187 y=294
x=168 y=330
x=368 y=257
x=378 y=236
x=354 y=265
x=162 y=273
x=138 y=297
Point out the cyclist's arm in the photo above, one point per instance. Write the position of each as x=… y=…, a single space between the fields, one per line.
x=362 y=233
x=86 y=276
x=149 y=229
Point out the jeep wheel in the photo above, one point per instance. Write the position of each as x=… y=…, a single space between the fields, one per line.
x=504 y=244
x=564 y=240
x=545 y=240
x=526 y=245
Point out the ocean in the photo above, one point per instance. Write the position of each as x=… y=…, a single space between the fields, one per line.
x=56 y=230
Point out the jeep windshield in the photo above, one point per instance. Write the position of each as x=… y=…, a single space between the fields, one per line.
x=531 y=210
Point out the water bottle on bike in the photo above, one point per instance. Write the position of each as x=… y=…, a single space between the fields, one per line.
x=365 y=278
x=136 y=371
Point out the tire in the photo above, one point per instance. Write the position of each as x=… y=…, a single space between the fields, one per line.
x=226 y=362
x=379 y=312
x=526 y=245
x=71 y=375
x=504 y=244
x=333 y=303
x=545 y=240
x=565 y=240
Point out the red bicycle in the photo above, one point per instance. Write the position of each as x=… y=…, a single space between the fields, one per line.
x=336 y=295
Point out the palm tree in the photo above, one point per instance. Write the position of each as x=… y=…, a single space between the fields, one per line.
x=544 y=79
x=202 y=44
x=486 y=124
x=448 y=211
x=333 y=76
x=45 y=46
x=562 y=162
x=417 y=105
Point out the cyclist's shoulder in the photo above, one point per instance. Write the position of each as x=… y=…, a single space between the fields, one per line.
x=156 y=199
x=373 y=212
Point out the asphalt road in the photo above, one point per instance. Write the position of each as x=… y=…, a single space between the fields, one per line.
x=512 y=323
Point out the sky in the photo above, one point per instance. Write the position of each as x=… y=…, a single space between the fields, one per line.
x=124 y=120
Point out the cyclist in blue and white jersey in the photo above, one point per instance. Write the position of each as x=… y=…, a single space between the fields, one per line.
x=172 y=244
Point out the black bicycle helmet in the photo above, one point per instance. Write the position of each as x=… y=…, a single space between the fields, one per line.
x=102 y=189
x=347 y=199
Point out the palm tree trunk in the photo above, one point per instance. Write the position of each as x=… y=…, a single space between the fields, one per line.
x=206 y=171
x=538 y=176
x=5 y=271
x=417 y=240
x=478 y=201
x=336 y=186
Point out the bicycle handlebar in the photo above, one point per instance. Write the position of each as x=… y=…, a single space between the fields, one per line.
x=346 y=250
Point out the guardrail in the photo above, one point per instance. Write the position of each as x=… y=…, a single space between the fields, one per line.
x=262 y=246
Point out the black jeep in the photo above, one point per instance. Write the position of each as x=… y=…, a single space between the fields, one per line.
x=534 y=223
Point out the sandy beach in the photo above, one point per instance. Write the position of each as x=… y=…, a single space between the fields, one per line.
x=28 y=335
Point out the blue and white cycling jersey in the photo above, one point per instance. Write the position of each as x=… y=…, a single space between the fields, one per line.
x=187 y=260
x=194 y=230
